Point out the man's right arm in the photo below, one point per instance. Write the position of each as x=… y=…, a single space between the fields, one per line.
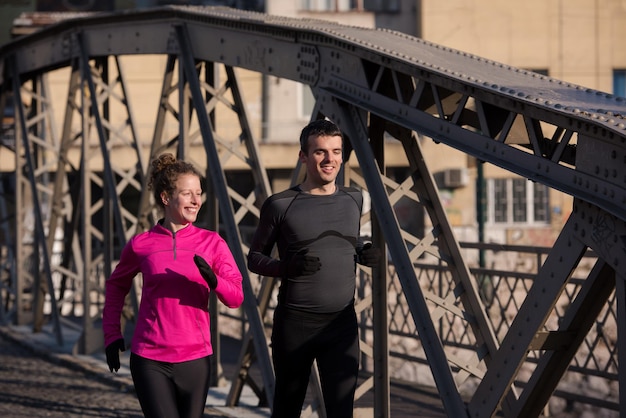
x=262 y=264
x=298 y=264
x=265 y=237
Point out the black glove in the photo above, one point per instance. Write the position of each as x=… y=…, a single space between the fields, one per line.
x=301 y=264
x=113 y=354
x=206 y=271
x=368 y=255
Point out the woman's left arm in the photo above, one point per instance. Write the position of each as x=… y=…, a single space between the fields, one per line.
x=229 y=289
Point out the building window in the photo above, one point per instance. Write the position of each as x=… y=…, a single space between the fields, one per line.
x=500 y=205
x=331 y=5
x=517 y=201
x=377 y=6
x=382 y=6
x=541 y=202
x=619 y=83
x=306 y=101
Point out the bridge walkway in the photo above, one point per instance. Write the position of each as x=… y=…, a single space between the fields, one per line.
x=29 y=353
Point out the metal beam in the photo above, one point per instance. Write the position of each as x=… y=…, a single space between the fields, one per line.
x=531 y=317
x=579 y=319
x=219 y=184
x=352 y=122
x=373 y=83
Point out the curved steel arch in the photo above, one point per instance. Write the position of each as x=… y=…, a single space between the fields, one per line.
x=372 y=83
x=398 y=77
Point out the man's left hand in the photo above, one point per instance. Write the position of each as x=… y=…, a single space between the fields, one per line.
x=368 y=255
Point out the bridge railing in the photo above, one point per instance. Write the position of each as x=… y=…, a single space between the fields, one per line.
x=591 y=380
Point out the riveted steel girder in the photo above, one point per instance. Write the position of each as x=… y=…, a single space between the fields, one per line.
x=374 y=84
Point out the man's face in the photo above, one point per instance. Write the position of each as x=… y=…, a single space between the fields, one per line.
x=323 y=159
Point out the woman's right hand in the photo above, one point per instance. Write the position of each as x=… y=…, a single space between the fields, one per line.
x=113 y=354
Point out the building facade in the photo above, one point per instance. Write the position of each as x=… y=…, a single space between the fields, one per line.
x=575 y=41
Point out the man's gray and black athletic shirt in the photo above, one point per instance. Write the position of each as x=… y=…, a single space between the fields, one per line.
x=325 y=224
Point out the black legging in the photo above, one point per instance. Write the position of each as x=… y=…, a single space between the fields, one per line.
x=171 y=390
x=332 y=339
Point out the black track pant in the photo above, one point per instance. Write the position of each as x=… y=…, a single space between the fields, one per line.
x=332 y=339
x=171 y=390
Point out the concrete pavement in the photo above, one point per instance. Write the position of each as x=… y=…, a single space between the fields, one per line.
x=406 y=400
x=44 y=345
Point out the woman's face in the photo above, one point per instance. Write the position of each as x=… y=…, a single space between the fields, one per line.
x=181 y=208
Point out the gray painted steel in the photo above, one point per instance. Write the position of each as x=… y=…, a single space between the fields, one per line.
x=568 y=137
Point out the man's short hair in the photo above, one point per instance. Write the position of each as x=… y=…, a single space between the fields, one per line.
x=319 y=127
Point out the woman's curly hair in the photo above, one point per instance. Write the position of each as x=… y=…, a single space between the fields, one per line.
x=165 y=172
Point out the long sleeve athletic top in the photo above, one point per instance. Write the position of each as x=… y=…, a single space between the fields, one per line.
x=328 y=225
x=173 y=320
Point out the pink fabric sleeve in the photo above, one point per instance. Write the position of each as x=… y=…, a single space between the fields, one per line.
x=116 y=288
x=229 y=290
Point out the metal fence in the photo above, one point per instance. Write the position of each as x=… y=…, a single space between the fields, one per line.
x=591 y=380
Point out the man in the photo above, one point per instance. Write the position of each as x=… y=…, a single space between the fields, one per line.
x=315 y=226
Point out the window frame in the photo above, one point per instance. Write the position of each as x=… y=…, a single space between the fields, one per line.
x=619 y=82
x=516 y=201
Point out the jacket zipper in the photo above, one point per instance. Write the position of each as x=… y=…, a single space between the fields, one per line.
x=174 y=243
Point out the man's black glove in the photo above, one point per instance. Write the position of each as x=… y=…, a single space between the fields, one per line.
x=368 y=255
x=206 y=271
x=113 y=354
x=301 y=264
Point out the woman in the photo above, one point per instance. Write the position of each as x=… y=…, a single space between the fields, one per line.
x=180 y=265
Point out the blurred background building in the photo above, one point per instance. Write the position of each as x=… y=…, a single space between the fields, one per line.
x=577 y=41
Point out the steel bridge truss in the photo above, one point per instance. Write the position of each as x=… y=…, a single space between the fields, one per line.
x=71 y=217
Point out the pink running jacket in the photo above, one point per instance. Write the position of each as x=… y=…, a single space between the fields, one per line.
x=173 y=319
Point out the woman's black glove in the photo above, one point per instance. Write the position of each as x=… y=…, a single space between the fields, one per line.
x=206 y=271
x=368 y=255
x=301 y=264
x=113 y=354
